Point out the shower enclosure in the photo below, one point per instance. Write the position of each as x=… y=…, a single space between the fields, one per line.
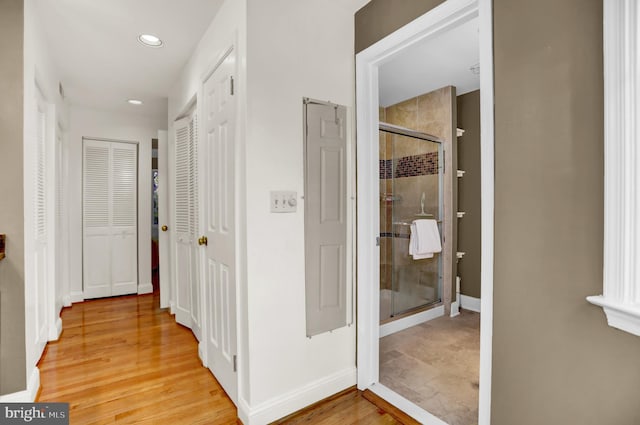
x=411 y=188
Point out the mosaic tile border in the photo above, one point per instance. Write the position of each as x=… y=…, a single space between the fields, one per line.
x=410 y=166
x=394 y=235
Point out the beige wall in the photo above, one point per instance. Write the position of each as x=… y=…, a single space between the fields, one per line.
x=382 y=17
x=549 y=343
x=469 y=193
x=555 y=360
x=12 y=342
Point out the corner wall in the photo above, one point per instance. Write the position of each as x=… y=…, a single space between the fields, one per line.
x=227 y=28
x=295 y=50
x=12 y=284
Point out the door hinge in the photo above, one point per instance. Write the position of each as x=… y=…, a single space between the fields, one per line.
x=377 y=240
x=232 y=86
x=235 y=363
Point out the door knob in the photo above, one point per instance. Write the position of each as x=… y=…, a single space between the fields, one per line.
x=202 y=240
x=164 y=228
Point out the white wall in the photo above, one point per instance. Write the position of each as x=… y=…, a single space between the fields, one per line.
x=38 y=67
x=101 y=124
x=295 y=49
x=291 y=53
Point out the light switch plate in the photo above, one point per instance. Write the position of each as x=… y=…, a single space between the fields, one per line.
x=284 y=201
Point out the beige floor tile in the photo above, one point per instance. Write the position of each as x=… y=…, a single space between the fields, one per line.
x=436 y=365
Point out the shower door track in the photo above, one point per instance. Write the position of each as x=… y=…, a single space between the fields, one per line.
x=412 y=310
x=396 y=129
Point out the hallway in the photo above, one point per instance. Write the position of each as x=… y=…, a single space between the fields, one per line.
x=123 y=360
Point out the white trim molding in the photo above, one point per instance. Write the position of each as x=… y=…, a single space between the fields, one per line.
x=411 y=409
x=279 y=407
x=621 y=292
x=470 y=303
x=410 y=321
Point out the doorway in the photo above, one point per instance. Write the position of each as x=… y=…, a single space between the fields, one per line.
x=369 y=62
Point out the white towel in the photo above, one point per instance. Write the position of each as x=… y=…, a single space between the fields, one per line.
x=425 y=239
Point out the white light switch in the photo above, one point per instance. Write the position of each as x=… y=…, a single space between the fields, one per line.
x=283 y=201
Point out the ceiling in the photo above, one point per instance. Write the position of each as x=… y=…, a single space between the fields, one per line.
x=439 y=61
x=94 y=45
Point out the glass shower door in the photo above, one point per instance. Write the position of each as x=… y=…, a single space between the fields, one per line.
x=411 y=189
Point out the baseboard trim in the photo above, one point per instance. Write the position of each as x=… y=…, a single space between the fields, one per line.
x=409 y=321
x=145 y=288
x=293 y=401
x=383 y=404
x=455 y=309
x=55 y=329
x=76 y=297
x=300 y=414
x=27 y=396
x=243 y=410
x=406 y=406
x=201 y=353
x=470 y=303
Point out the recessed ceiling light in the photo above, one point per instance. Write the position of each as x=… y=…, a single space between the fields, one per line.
x=135 y=101
x=150 y=40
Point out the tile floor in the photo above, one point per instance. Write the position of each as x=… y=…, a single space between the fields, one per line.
x=435 y=365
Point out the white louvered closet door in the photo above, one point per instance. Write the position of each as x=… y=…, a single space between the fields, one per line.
x=194 y=225
x=110 y=251
x=41 y=254
x=182 y=237
x=186 y=224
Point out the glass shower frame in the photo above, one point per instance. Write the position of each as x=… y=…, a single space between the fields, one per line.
x=396 y=294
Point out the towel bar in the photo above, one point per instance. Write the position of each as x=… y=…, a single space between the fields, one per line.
x=404 y=223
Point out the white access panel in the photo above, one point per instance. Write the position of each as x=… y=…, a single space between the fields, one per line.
x=110 y=234
x=325 y=225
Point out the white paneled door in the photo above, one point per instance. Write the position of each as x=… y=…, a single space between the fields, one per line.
x=186 y=224
x=110 y=250
x=220 y=224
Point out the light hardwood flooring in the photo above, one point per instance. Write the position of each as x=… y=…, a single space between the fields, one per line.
x=123 y=360
x=436 y=365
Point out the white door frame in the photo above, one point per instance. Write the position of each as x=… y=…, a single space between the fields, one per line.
x=448 y=14
x=164 y=218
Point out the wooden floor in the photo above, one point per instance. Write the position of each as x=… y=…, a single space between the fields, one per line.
x=123 y=360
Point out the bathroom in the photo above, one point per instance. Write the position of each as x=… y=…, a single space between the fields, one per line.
x=429 y=161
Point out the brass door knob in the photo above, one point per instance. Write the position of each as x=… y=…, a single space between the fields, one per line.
x=164 y=228
x=203 y=240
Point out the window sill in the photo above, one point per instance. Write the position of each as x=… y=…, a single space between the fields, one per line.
x=625 y=317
